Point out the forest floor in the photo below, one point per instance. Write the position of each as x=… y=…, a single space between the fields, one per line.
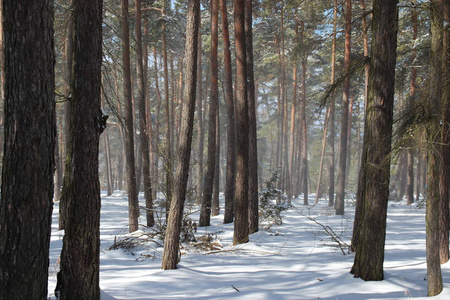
x=295 y=260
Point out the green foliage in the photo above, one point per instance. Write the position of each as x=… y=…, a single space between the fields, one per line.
x=271 y=203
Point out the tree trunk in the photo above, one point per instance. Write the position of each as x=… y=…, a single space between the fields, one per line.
x=205 y=212
x=108 y=164
x=292 y=149
x=80 y=255
x=143 y=128
x=322 y=155
x=215 y=195
x=412 y=94
x=340 y=189
x=304 y=130
x=201 y=135
x=253 y=220
x=375 y=167
x=241 y=229
x=29 y=153
x=168 y=137
x=157 y=147
x=444 y=176
x=171 y=242
x=231 y=126
x=331 y=167
x=434 y=276
x=67 y=93
x=133 y=202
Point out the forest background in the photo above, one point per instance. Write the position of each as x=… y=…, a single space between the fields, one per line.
x=311 y=97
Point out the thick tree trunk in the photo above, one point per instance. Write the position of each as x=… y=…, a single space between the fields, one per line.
x=231 y=126
x=133 y=202
x=205 y=213
x=171 y=242
x=29 y=158
x=375 y=167
x=253 y=218
x=241 y=194
x=340 y=189
x=80 y=256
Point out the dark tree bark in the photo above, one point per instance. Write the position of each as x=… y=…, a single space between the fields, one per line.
x=231 y=126
x=143 y=128
x=241 y=229
x=28 y=159
x=133 y=202
x=171 y=242
x=205 y=212
x=434 y=276
x=375 y=166
x=340 y=189
x=80 y=256
x=253 y=217
x=444 y=176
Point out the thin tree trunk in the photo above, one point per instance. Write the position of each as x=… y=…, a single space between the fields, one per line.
x=412 y=94
x=331 y=167
x=340 y=192
x=67 y=93
x=109 y=183
x=231 y=127
x=292 y=129
x=253 y=216
x=241 y=229
x=304 y=130
x=133 y=202
x=205 y=212
x=434 y=276
x=157 y=129
x=444 y=176
x=171 y=242
x=201 y=135
x=168 y=137
x=143 y=128
x=215 y=195
x=322 y=155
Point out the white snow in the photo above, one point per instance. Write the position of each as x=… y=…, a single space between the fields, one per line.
x=293 y=261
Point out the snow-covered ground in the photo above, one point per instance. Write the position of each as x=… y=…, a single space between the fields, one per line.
x=296 y=260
